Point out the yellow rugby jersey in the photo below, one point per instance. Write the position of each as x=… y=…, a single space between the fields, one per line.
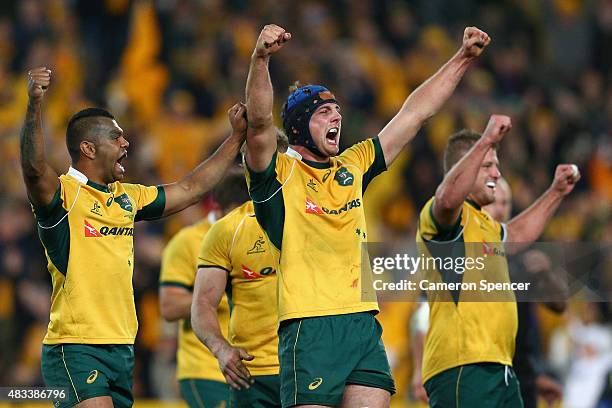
x=237 y=244
x=87 y=232
x=179 y=268
x=313 y=214
x=461 y=330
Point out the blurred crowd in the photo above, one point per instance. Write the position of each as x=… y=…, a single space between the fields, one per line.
x=169 y=70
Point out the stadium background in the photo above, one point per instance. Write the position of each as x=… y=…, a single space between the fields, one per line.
x=169 y=69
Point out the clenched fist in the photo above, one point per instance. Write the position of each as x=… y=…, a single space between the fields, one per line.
x=566 y=177
x=271 y=39
x=38 y=81
x=237 y=118
x=497 y=127
x=474 y=42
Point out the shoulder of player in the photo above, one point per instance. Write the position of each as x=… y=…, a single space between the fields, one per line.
x=180 y=238
x=366 y=143
x=427 y=208
x=69 y=182
x=234 y=217
x=286 y=158
x=475 y=210
x=127 y=187
x=191 y=232
x=426 y=214
x=200 y=228
x=488 y=218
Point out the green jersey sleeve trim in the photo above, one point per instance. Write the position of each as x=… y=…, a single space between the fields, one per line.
x=214 y=266
x=378 y=165
x=176 y=284
x=259 y=178
x=503 y=232
x=449 y=233
x=54 y=231
x=56 y=241
x=52 y=212
x=267 y=195
x=155 y=209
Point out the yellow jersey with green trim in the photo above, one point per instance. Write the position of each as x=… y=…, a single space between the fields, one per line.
x=237 y=244
x=88 y=235
x=179 y=268
x=466 y=327
x=313 y=215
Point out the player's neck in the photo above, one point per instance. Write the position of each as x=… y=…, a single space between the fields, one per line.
x=90 y=172
x=471 y=198
x=308 y=155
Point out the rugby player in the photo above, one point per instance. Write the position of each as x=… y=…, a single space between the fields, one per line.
x=201 y=382
x=236 y=257
x=469 y=346
x=86 y=224
x=330 y=347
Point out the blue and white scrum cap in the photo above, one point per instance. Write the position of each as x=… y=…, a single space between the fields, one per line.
x=298 y=109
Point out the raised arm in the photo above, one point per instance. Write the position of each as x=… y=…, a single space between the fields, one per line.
x=459 y=181
x=526 y=227
x=191 y=188
x=261 y=135
x=429 y=97
x=208 y=290
x=40 y=179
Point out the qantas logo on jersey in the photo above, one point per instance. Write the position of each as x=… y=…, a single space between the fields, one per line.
x=248 y=273
x=490 y=249
x=313 y=208
x=91 y=231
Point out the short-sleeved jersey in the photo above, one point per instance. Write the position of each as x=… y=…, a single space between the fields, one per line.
x=462 y=330
x=179 y=268
x=313 y=215
x=88 y=235
x=237 y=244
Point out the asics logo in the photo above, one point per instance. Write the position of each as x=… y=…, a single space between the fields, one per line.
x=93 y=375
x=315 y=384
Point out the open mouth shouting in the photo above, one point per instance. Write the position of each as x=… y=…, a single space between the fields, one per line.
x=491 y=184
x=118 y=163
x=332 y=136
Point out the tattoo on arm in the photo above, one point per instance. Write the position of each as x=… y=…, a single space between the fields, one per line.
x=40 y=179
x=28 y=142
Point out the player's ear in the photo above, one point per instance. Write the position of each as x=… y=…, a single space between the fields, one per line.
x=88 y=149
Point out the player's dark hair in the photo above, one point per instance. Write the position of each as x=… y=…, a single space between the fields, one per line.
x=458 y=145
x=232 y=190
x=78 y=127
